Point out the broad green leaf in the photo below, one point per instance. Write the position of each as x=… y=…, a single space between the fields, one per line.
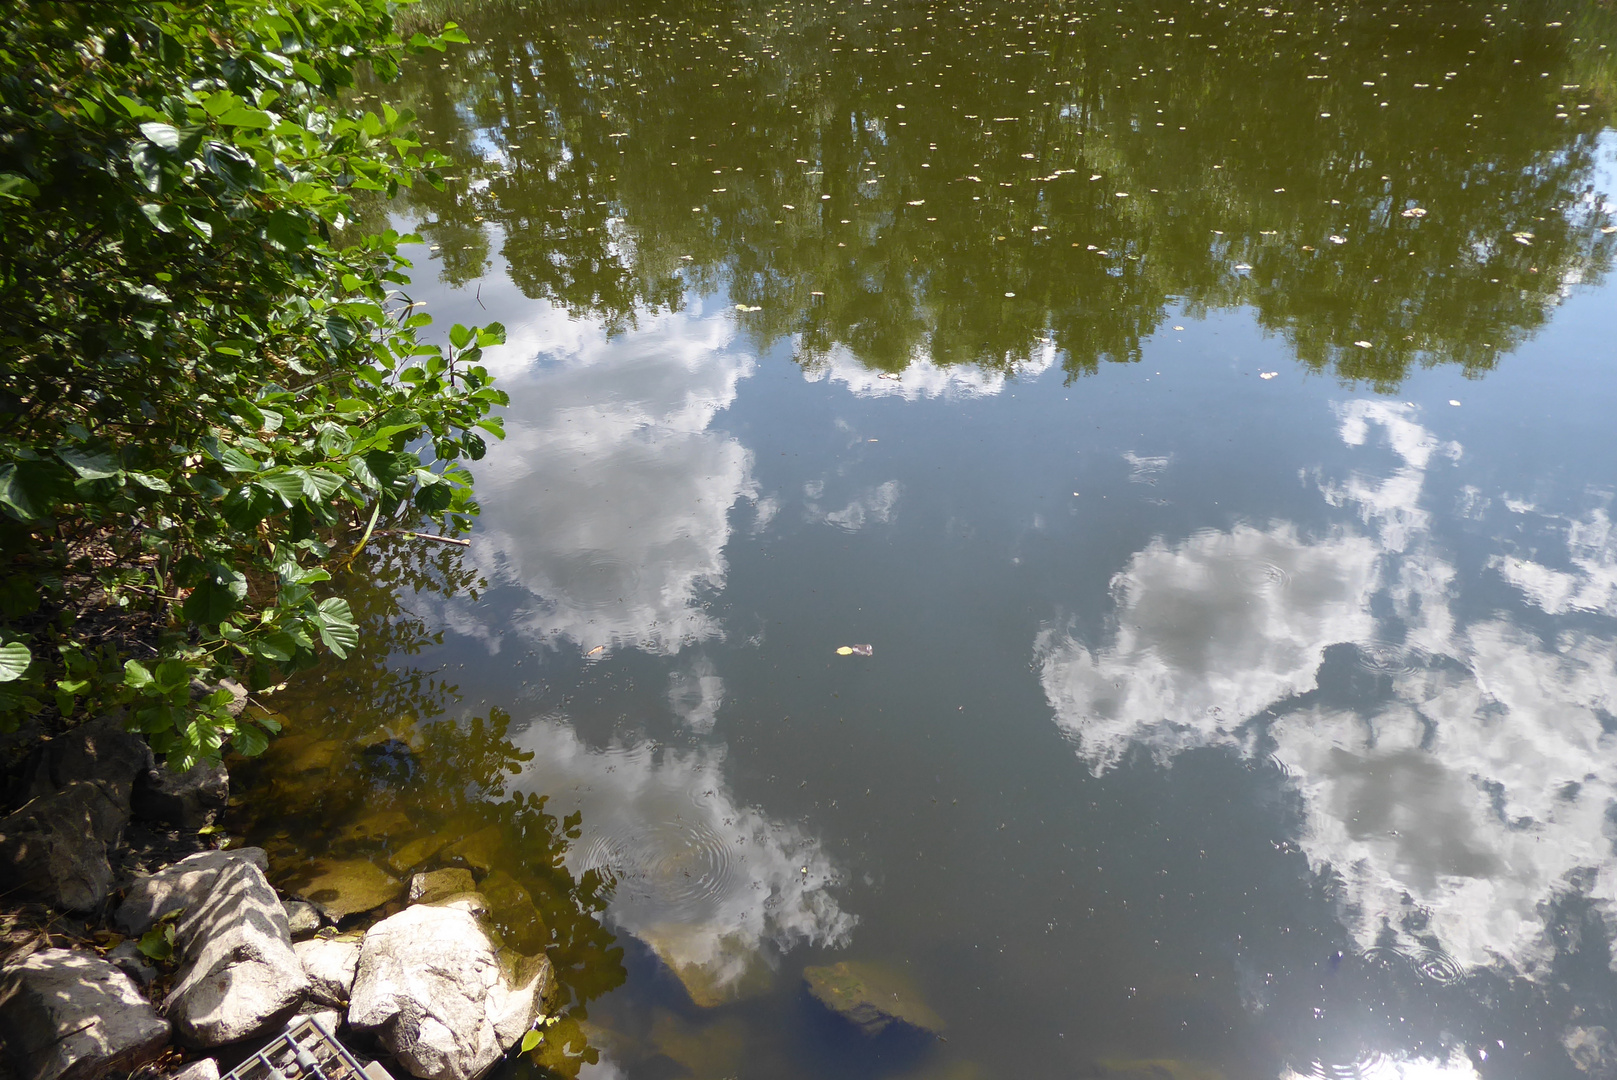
x=530 y=1039
x=337 y=627
x=14 y=660
x=136 y=675
x=17 y=188
x=89 y=464
x=210 y=602
x=165 y=135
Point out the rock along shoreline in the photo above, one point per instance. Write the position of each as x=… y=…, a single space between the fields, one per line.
x=130 y=942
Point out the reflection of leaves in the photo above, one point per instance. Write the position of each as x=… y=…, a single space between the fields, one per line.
x=601 y=222
x=379 y=755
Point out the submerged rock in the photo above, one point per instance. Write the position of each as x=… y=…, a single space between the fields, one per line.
x=65 y=1015
x=514 y=913
x=481 y=850
x=344 y=887
x=727 y=970
x=238 y=976
x=330 y=964
x=871 y=996
x=431 y=984
x=435 y=885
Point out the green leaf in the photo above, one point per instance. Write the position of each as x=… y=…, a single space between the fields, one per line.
x=89 y=464
x=530 y=1040
x=17 y=188
x=212 y=601
x=136 y=675
x=165 y=135
x=337 y=627
x=14 y=660
x=249 y=740
x=12 y=495
x=459 y=336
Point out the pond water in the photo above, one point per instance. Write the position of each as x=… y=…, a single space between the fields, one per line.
x=1203 y=412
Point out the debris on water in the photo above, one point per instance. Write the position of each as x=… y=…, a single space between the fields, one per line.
x=855 y=650
x=1362 y=344
x=1267 y=374
x=1456 y=404
x=1415 y=211
x=597 y=649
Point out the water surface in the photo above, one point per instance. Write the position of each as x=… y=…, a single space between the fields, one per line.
x=1203 y=412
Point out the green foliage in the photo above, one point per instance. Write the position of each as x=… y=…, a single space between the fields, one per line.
x=212 y=384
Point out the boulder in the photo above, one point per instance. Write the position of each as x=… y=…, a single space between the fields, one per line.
x=343 y=887
x=482 y=850
x=65 y=1015
x=54 y=849
x=238 y=976
x=128 y=958
x=437 y=885
x=76 y=804
x=513 y=912
x=99 y=752
x=301 y=919
x=187 y=800
x=432 y=986
x=205 y=1069
x=330 y=965
x=327 y=1017
x=871 y=996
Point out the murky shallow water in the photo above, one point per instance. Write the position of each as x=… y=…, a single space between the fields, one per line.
x=1204 y=412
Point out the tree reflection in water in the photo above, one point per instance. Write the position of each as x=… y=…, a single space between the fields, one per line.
x=1391 y=186
x=383 y=764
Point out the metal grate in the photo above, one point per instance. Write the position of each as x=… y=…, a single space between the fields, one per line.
x=305 y=1051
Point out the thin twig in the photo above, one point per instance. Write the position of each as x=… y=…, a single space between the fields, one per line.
x=412 y=534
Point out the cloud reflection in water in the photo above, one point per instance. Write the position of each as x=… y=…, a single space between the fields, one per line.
x=715 y=888
x=610 y=503
x=1453 y=809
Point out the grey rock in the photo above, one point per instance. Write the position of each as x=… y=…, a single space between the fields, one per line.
x=431 y=984
x=75 y=806
x=330 y=965
x=188 y=800
x=132 y=962
x=54 y=848
x=871 y=996
x=205 y=1069
x=302 y=919
x=437 y=885
x=65 y=1015
x=326 y=1016
x=100 y=752
x=180 y=886
x=238 y=977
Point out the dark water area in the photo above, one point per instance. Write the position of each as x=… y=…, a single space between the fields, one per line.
x=1203 y=412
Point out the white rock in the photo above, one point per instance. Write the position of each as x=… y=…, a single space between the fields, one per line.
x=206 y=1069
x=65 y=1015
x=432 y=986
x=330 y=966
x=238 y=977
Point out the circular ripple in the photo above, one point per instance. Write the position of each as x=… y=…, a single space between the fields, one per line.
x=677 y=867
x=1385 y=658
x=1373 y=1065
x=1438 y=966
x=593 y=579
x=1254 y=573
